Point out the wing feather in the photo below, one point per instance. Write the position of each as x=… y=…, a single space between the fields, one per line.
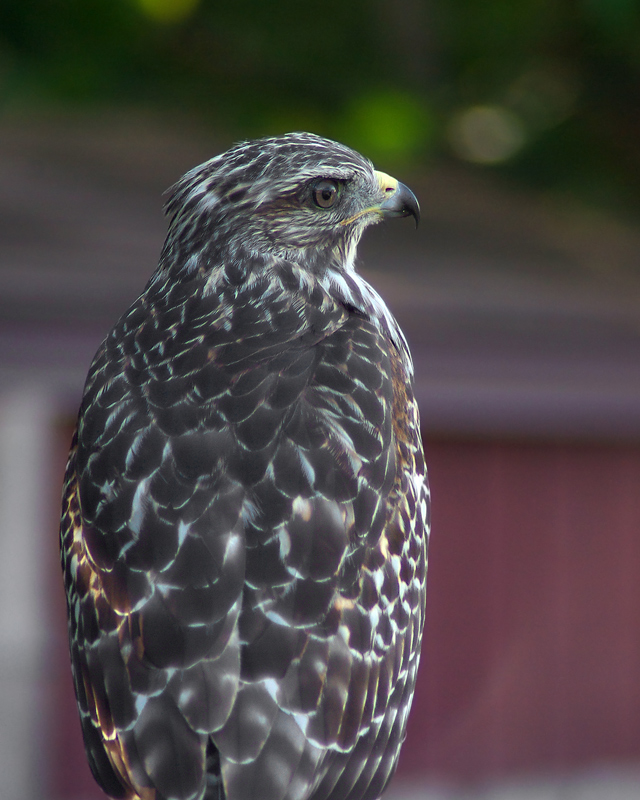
x=241 y=504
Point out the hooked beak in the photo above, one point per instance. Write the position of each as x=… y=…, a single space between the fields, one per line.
x=399 y=200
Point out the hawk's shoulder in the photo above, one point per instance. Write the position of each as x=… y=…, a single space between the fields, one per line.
x=239 y=497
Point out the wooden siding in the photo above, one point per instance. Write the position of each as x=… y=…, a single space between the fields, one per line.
x=532 y=650
x=532 y=656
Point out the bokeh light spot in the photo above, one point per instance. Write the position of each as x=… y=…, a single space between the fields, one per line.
x=389 y=124
x=545 y=94
x=486 y=134
x=168 y=10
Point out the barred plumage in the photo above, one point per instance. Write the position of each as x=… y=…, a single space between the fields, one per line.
x=245 y=511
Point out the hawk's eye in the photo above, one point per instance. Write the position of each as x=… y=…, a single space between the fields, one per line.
x=325 y=193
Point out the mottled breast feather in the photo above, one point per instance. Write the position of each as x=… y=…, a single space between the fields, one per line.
x=244 y=532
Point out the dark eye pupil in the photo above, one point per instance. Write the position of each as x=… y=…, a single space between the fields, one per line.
x=325 y=193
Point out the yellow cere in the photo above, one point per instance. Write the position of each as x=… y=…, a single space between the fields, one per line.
x=387 y=184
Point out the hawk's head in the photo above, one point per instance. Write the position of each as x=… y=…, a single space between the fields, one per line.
x=297 y=196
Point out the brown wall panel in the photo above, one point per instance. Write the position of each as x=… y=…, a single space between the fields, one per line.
x=532 y=651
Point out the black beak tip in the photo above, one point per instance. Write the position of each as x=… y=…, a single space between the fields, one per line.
x=403 y=203
x=415 y=213
x=411 y=205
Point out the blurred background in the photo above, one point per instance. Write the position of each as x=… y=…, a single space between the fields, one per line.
x=518 y=126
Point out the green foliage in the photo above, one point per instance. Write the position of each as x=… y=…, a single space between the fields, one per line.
x=388 y=124
x=556 y=83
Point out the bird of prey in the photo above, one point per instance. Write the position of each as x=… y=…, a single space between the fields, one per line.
x=245 y=510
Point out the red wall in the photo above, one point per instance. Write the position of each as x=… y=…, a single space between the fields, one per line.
x=532 y=652
x=531 y=658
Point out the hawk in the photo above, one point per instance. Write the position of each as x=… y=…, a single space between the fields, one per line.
x=245 y=509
